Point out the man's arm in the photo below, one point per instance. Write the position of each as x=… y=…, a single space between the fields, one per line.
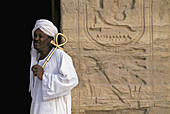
x=56 y=85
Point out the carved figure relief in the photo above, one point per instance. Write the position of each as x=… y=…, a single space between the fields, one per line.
x=121 y=61
x=115 y=22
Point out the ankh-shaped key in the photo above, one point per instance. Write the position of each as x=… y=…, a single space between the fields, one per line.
x=57 y=46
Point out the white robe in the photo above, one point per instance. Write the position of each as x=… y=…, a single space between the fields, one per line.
x=52 y=94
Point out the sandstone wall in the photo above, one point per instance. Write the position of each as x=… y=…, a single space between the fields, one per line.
x=120 y=49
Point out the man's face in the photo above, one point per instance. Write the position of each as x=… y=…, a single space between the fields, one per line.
x=41 y=40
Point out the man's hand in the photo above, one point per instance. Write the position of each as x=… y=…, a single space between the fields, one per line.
x=38 y=71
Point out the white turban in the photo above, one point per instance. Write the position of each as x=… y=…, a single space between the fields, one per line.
x=46 y=26
x=49 y=29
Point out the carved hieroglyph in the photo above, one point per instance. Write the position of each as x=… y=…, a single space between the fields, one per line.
x=115 y=22
x=120 y=51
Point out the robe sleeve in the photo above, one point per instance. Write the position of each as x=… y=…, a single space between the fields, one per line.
x=60 y=84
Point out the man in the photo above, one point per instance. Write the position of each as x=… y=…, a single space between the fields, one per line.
x=50 y=86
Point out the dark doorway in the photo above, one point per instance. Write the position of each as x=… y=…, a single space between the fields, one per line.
x=18 y=19
x=34 y=10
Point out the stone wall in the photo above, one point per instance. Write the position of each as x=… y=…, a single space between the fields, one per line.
x=120 y=49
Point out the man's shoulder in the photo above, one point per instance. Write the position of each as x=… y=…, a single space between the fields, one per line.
x=62 y=53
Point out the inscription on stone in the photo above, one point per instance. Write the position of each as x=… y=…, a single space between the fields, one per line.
x=115 y=22
x=120 y=52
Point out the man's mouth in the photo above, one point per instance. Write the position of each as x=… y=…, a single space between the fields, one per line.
x=36 y=43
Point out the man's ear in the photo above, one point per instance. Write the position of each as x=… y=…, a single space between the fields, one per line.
x=50 y=38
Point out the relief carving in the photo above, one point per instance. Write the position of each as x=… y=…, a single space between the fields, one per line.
x=120 y=51
x=115 y=22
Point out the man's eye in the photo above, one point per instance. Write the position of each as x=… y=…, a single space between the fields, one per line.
x=35 y=35
x=40 y=36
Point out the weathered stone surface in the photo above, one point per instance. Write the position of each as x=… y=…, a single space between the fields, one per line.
x=120 y=49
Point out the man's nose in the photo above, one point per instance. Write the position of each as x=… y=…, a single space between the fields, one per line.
x=37 y=37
